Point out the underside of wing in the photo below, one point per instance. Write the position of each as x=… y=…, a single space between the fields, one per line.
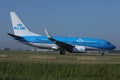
x=62 y=45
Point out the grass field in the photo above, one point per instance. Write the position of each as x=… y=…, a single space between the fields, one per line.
x=42 y=57
x=26 y=65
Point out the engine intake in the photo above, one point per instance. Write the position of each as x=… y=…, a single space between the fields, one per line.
x=79 y=49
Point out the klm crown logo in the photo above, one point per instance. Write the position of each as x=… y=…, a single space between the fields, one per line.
x=80 y=40
x=19 y=27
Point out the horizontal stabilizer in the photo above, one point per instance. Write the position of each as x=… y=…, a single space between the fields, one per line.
x=17 y=37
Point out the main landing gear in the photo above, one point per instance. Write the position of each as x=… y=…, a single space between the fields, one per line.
x=62 y=52
x=102 y=53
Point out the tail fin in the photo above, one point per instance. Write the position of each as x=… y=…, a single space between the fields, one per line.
x=18 y=27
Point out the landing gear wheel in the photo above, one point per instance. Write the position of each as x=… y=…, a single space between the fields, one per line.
x=62 y=52
x=102 y=54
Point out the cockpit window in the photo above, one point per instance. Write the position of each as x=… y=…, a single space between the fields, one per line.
x=108 y=43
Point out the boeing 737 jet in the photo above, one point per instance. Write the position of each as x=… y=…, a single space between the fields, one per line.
x=63 y=44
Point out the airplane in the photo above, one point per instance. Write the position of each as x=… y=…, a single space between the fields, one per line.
x=63 y=44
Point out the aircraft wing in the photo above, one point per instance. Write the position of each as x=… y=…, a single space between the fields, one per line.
x=62 y=45
x=17 y=37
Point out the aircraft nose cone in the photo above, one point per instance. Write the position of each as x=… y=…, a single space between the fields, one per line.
x=113 y=47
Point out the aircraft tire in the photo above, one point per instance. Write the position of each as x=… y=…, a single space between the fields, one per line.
x=102 y=54
x=62 y=52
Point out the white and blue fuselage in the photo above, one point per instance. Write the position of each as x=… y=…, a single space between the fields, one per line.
x=44 y=42
x=70 y=44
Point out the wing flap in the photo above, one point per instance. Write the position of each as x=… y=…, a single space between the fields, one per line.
x=62 y=45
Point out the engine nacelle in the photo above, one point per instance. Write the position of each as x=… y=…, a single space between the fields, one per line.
x=79 y=49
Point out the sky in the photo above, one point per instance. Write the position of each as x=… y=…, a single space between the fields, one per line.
x=81 y=18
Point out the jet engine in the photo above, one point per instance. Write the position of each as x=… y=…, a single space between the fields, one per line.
x=79 y=49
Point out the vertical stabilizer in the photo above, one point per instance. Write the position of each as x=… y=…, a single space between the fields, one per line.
x=18 y=26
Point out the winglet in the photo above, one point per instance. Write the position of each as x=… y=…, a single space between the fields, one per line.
x=47 y=34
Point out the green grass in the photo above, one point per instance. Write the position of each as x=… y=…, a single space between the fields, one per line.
x=25 y=65
x=39 y=71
